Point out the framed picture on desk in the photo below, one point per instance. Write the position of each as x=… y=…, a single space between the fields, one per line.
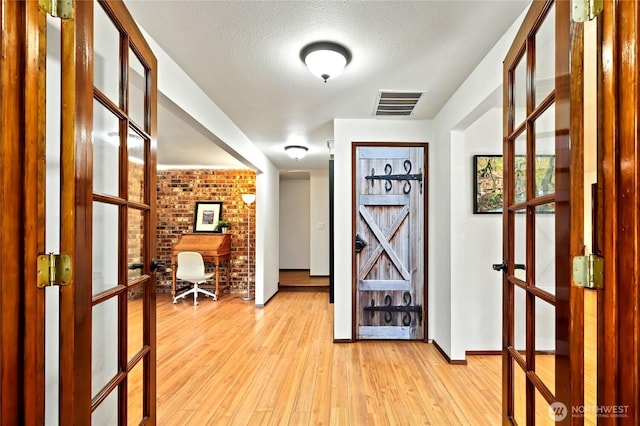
x=207 y=215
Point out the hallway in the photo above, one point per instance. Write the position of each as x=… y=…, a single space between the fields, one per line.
x=228 y=362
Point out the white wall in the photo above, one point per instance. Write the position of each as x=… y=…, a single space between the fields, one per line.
x=448 y=315
x=450 y=294
x=267 y=232
x=477 y=238
x=347 y=131
x=294 y=223
x=304 y=223
x=174 y=83
x=319 y=223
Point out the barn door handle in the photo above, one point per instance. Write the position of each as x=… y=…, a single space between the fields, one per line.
x=360 y=243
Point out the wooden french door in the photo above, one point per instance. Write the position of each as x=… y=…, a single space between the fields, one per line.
x=542 y=368
x=82 y=144
x=390 y=241
x=122 y=166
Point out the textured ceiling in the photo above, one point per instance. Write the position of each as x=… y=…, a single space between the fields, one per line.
x=245 y=56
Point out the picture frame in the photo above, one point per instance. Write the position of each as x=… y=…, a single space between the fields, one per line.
x=488 y=180
x=488 y=177
x=206 y=216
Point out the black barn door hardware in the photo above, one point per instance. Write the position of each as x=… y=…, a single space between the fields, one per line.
x=389 y=309
x=388 y=177
x=360 y=243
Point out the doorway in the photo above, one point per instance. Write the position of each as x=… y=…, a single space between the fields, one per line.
x=389 y=247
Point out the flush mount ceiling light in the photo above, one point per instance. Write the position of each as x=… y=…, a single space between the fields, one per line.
x=325 y=59
x=296 y=151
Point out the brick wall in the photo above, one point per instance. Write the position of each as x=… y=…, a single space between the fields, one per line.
x=178 y=191
x=135 y=223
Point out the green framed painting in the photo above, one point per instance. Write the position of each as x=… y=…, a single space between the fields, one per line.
x=488 y=176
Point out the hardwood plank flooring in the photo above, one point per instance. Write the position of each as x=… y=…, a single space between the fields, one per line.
x=228 y=362
x=301 y=278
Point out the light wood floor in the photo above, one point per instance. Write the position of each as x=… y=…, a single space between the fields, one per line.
x=301 y=278
x=229 y=362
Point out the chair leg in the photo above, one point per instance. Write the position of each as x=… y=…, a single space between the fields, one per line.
x=195 y=290
x=208 y=293
x=183 y=295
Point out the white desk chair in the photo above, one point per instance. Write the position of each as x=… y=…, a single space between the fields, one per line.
x=191 y=269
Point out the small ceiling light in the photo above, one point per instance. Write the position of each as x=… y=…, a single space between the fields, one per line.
x=296 y=151
x=325 y=59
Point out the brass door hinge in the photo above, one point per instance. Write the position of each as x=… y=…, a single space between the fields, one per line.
x=588 y=271
x=585 y=10
x=62 y=9
x=54 y=269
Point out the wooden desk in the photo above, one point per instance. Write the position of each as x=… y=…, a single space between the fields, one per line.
x=214 y=248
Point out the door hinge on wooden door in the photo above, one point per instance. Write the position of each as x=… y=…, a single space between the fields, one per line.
x=585 y=10
x=389 y=176
x=588 y=271
x=54 y=269
x=62 y=9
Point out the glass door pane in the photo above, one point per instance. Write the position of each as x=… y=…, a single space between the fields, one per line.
x=52 y=218
x=520 y=169
x=545 y=65
x=106 y=151
x=519 y=92
x=591 y=320
x=106 y=56
x=136 y=149
x=105 y=247
x=104 y=348
x=137 y=94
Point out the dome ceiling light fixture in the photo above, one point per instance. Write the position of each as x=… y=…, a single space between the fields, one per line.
x=296 y=151
x=325 y=59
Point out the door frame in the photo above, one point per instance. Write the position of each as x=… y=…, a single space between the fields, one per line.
x=619 y=191
x=21 y=303
x=354 y=218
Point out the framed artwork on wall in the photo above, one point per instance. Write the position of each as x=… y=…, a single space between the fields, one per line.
x=488 y=171
x=207 y=215
x=487 y=184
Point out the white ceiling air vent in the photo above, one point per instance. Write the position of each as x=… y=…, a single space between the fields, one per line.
x=396 y=104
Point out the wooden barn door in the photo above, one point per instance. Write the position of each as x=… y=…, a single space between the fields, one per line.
x=390 y=241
